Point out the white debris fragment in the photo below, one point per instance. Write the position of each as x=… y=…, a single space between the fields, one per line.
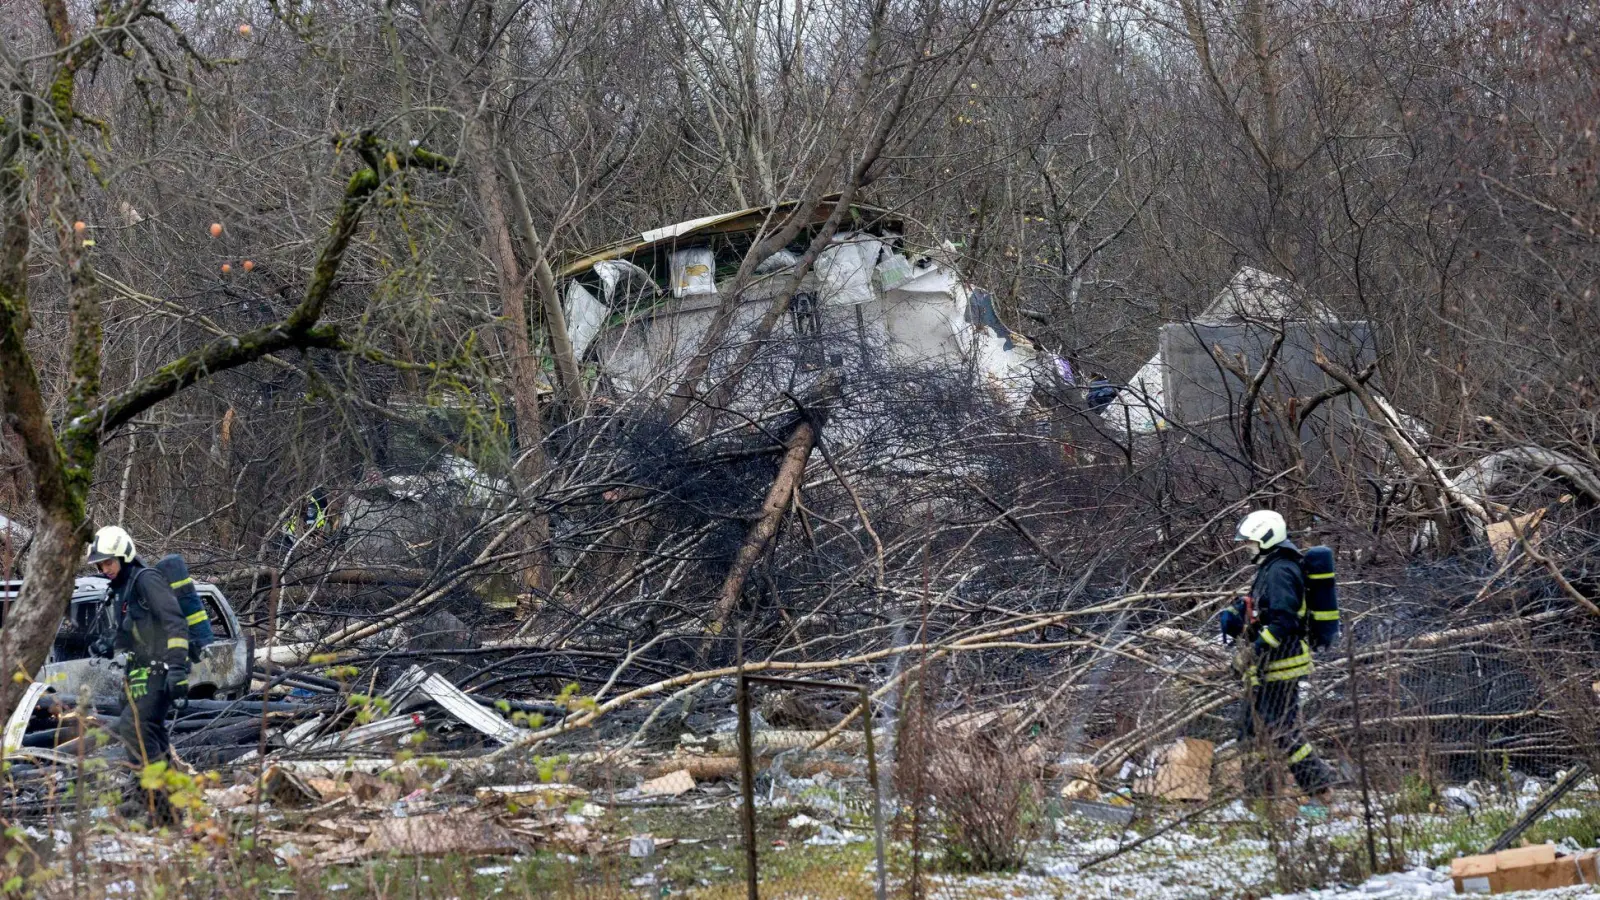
x=829 y=836
x=1461 y=797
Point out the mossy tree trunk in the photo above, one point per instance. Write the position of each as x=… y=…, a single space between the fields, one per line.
x=37 y=152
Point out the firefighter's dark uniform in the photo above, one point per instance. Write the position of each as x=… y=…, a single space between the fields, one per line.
x=1283 y=658
x=151 y=628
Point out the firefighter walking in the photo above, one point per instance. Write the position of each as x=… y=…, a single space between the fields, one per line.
x=150 y=627
x=1272 y=630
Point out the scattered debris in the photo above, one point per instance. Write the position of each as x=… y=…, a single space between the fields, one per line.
x=1537 y=806
x=285 y=788
x=442 y=835
x=1105 y=813
x=539 y=796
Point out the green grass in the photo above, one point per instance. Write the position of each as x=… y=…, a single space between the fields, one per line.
x=712 y=865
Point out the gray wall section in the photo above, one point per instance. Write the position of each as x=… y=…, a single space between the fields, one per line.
x=1198 y=388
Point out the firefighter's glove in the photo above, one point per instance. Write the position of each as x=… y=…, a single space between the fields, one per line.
x=178 y=687
x=1244 y=659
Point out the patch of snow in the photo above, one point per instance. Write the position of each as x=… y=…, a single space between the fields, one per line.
x=828 y=836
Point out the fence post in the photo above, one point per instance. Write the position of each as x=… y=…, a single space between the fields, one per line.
x=877 y=794
x=1361 y=748
x=747 y=778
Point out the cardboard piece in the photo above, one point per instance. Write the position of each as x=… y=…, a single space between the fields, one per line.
x=1183 y=772
x=1503 y=535
x=442 y=835
x=673 y=785
x=1228 y=774
x=1080 y=789
x=1535 y=868
x=1191 y=752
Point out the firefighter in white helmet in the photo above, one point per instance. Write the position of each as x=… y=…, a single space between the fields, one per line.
x=1269 y=628
x=151 y=628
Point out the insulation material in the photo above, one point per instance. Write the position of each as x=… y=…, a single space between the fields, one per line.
x=930 y=279
x=893 y=270
x=1005 y=367
x=446 y=834
x=845 y=269
x=585 y=316
x=1183 y=772
x=778 y=262
x=620 y=279
x=694 y=272
x=1006 y=361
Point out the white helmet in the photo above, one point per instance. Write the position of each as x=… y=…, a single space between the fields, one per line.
x=1263 y=526
x=111 y=542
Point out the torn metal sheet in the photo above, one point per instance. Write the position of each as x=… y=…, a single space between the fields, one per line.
x=339 y=768
x=422 y=687
x=682 y=228
x=44 y=755
x=738 y=222
x=1138 y=407
x=223 y=667
x=17 y=725
x=371 y=733
x=585 y=315
x=302 y=731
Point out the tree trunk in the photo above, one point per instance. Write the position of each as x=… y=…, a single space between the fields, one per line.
x=524 y=364
x=544 y=279
x=797 y=451
x=30 y=620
